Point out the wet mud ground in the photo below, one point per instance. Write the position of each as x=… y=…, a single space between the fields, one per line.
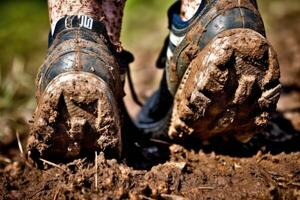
x=267 y=167
x=258 y=170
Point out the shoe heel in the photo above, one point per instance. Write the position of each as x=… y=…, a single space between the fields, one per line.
x=230 y=88
x=76 y=115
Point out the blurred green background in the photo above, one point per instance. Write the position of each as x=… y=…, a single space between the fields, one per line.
x=23 y=41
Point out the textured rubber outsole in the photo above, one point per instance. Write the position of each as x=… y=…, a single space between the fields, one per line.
x=229 y=88
x=77 y=114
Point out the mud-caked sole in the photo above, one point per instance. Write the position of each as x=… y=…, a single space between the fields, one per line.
x=76 y=115
x=229 y=88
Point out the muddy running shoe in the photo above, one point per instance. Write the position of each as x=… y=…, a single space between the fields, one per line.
x=221 y=75
x=78 y=91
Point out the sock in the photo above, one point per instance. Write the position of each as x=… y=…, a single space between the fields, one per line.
x=189 y=8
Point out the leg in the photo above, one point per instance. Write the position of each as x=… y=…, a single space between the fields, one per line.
x=108 y=11
x=113 y=18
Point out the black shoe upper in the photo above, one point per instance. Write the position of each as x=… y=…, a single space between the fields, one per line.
x=157 y=105
x=75 y=47
x=212 y=18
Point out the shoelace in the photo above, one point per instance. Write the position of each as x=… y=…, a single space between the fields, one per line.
x=124 y=59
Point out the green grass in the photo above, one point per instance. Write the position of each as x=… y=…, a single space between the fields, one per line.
x=23 y=45
x=24 y=26
x=274 y=11
x=143 y=20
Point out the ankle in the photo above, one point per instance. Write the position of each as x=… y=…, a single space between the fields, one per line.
x=189 y=8
x=108 y=11
x=85 y=23
x=62 y=8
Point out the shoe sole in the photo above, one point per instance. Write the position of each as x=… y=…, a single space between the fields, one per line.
x=229 y=88
x=76 y=115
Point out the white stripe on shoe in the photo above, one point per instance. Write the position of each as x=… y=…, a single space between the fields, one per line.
x=169 y=53
x=174 y=39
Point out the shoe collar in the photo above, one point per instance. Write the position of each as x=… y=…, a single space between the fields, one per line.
x=77 y=21
x=175 y=21
x=179 y=26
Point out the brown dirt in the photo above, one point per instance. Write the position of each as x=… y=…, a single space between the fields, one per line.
x=187 y=174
